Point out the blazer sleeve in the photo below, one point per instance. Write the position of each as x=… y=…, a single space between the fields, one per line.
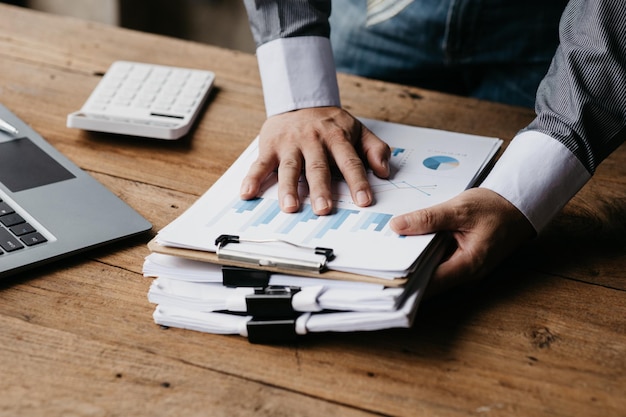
x=581 y=114
x=274 y=19
x=582 y=100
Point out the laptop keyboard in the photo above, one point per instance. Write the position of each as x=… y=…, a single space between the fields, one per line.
x=15 y=232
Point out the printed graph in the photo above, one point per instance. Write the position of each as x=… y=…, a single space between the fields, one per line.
x=383 y=186
x=263 y=216
x=441 y=163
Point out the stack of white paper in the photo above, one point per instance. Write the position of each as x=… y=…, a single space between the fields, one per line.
x=192 y=296
x=427 y=167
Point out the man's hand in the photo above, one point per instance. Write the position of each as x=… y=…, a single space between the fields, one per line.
x=486 y=229
x=315 y=141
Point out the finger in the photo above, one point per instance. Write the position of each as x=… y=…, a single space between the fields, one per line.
x=376 y=152
x=353 y=171
x=460 y=266
x=289 y=171
x=464 y=265
x=258 y=172
x=318 y=176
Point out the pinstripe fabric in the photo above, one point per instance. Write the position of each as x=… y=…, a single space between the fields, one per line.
x=582 y=100
x=275 y=19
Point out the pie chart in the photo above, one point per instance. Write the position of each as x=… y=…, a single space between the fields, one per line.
x=441 y=163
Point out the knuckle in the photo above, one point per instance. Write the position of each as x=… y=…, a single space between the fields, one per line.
x=336 y=134
x=263 y=164
x=353 y=164
x=426 y=217
x=290 y=164
x=317 y=166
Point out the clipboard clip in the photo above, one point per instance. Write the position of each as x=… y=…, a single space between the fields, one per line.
x=314 y=259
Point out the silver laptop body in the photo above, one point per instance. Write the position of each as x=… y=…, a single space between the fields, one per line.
x=50 y=208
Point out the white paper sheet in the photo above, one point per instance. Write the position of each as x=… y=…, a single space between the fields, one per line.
x=428 y=167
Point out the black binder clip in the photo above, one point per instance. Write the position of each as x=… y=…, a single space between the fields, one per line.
x=272 y=331
x=313 y=259
x=234 y=276
x=273 y=302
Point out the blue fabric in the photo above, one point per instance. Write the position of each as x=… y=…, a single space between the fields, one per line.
x=496 y=50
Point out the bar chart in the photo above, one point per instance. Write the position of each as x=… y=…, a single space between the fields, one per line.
x=263 y=215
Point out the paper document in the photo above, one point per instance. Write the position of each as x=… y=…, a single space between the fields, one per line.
x=181 y=269
x=348 y=321
x=427 y=167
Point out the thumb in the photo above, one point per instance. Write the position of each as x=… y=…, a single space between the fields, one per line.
x=429 y=220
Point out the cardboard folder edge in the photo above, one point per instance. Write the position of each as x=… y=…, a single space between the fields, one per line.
x=211 y=257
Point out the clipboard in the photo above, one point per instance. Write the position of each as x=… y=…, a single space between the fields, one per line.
x=212 y=257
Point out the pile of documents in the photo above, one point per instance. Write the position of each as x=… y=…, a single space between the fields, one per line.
x=231 y=266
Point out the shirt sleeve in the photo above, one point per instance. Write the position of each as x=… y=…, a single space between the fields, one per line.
x=297 y=73
x=538 y=175
x=581 y=114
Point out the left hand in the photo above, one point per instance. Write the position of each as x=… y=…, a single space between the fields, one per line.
x=486 y=229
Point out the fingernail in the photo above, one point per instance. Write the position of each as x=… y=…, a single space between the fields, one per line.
x=385 y=164
x=320 y=204
x=289 y=202
x=399 y=223
x=362 y=198
x=245 y=189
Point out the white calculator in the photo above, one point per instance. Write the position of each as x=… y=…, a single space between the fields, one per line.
x=147 y=100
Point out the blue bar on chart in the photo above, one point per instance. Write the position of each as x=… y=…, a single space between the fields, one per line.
x=269 y=214
x=242 y=206
x=332 y=222
x=263 y=215
x=302 y=217
x=239 y=206
x=396 y=151
x=378 y=219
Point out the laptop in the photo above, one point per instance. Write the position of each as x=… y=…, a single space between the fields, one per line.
x=49 y=207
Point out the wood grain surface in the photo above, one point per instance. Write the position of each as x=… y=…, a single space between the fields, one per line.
x=544 y=335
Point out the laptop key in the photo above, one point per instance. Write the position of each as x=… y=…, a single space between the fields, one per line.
x=33 y=239
x=11 y=219
x=8 y=242
x=22 y=229
x=5 y=208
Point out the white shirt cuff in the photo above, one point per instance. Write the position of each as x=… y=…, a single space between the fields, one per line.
x=298 y=73
x=538 y=175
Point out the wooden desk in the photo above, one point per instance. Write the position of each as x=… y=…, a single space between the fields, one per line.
x=545 y=335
